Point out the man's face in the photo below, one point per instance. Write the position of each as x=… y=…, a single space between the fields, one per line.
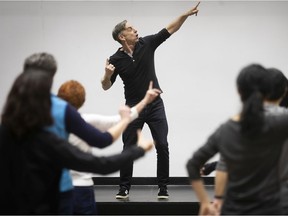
x=129 y=34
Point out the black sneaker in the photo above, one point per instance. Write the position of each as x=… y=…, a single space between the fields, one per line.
x=163 y=193
x=122 y=194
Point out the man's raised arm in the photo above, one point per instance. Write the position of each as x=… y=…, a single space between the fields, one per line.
x=176 y=24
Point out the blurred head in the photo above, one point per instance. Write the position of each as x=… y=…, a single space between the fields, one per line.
x=253 y=85
x=73 y=92
x=278 y=83
x=252 y=80
x=41 y=61
x=27 y=107
x=125 y=31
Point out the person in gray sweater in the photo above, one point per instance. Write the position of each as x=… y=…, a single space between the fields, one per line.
x=272 y=106
x=251 y=144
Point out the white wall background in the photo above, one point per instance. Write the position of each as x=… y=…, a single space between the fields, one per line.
x=196 y=67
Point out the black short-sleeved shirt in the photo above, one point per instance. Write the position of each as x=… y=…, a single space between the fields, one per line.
x=136 y=72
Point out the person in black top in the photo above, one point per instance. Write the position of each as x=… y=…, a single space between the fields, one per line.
x=250 y=143
x=32 y=158
x=134 y=63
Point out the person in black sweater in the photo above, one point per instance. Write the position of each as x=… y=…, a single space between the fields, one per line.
x=250 y=144
x=32 y=159
x=272 y=101
x=134 y=63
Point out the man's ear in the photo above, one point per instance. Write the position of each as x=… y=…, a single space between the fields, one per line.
x=121 y=37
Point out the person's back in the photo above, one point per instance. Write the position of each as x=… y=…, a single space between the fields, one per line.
x=274 y=105
x=278 y=87
x=68 y=120
x=47 y=63
x=253 y=186
x=32 y=158
x=250 y=144
x=260 y=169
x=32 y=185
x=283 y=167
x=23 y=163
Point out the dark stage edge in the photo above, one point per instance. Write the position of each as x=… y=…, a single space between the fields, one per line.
x=143 y=198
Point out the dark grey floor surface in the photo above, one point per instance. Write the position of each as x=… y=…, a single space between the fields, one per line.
x=148 y=193
x=143 y=200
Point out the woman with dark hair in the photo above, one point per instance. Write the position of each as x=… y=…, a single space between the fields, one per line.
x=66 y=120
x=27 y=110
x=250 y=144
x=32 y=159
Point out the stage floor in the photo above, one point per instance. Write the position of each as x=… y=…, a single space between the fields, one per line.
x=143 y=200
x=148 y=193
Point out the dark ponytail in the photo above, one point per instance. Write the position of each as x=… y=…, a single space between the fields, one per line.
x=252 y=114
x=253 y=86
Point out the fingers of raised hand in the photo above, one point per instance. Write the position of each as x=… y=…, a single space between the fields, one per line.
x=110 y=67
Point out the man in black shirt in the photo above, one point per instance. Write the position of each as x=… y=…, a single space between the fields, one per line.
x=134 y=63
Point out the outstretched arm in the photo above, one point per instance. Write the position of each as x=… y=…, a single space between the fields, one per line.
x=66 y=155
x=151 y=95
x=77 y=125
x=104 y=123
x=176 y=24
x=118 y=128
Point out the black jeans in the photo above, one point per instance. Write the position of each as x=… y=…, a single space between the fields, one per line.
x=66 y=203
x=155 y=117
x=84 y=202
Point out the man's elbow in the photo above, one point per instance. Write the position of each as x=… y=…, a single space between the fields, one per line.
x=106 y=85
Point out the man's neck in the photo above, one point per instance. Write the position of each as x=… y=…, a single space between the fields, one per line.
x=128 y=49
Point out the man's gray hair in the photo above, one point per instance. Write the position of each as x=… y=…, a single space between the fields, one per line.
x=41 y=61
x=118 y=29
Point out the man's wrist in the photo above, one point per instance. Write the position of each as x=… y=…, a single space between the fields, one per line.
x=144 y=101
x=105 y=79
x=106 y=83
